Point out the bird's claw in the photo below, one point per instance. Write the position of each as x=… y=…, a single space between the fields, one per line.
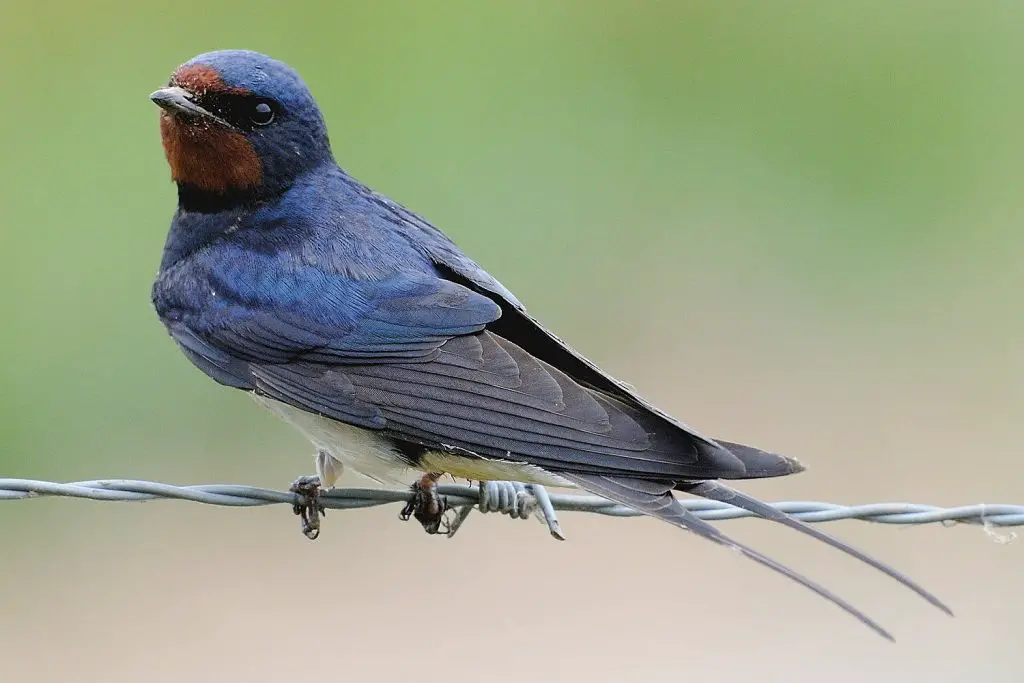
x=308 y=505
x=427 y=506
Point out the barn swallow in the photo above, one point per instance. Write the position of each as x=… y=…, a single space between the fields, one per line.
x=367 y=328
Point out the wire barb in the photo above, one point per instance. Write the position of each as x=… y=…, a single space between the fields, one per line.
x=515 y=499
x=543 y=503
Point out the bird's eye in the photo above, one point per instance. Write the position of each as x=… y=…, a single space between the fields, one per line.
x=262 y=114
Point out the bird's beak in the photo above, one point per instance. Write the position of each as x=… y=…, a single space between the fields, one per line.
x=179 y=102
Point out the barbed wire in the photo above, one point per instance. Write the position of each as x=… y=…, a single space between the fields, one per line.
x=510 y=498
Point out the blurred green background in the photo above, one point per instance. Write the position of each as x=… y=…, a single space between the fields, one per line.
x=793 y=223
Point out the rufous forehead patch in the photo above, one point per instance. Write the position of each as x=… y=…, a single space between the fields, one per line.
x=199 y=79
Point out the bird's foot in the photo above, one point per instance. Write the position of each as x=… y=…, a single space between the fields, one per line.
x=427 y=505
x=309 y=508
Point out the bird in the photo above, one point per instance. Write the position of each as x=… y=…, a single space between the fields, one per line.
x=372 y=333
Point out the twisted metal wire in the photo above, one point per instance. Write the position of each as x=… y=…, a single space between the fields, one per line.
x=511 y=498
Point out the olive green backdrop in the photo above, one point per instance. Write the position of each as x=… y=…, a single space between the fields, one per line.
x=793 y=223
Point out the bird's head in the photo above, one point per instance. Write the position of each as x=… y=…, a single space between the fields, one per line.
x=238 y=124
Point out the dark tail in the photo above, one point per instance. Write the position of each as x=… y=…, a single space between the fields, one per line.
x=656 y=499
x=715 y=491
x=759 y=464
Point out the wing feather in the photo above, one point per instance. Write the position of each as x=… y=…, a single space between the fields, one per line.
x=469 y=399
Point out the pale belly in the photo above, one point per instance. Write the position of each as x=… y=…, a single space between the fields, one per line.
x=373 y=456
